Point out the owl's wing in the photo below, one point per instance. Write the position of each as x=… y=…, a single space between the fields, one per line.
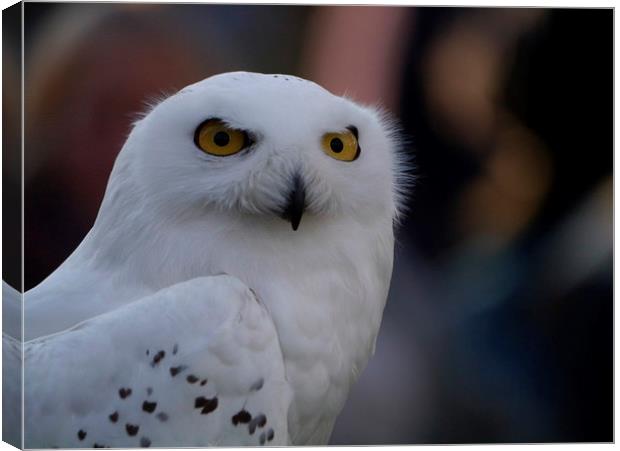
x=11 y=390
x=196 y=364
x=11 y=365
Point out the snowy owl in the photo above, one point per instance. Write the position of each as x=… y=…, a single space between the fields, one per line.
x=232 y=287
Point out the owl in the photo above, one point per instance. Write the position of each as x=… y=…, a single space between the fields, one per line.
x=231 y=289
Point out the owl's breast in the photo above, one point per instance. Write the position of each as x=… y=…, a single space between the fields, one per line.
x=327 y=308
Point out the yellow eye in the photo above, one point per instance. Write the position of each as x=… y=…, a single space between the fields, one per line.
x=342 y=146
x=216 y=138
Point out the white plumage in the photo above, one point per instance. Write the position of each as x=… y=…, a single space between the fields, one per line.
x=190 y=257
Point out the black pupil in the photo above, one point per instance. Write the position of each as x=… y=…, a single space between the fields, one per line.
x=221 y=139
x=336 y=145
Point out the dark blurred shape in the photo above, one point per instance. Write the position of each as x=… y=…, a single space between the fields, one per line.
x=561 y=87
x=357 y=51
x=11 y=147
x=518 y=364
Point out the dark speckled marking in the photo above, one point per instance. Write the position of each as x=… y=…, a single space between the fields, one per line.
x=257 y=385
x=192 y=379
x=262 y=438
x=162 y=416
x=96 y=445
x=124 y=392
x=243 y=416
x=199 y=402
x=149 y=406
x=148 y=352
x=210 y=406
x=207 y=405
x=81 y=434
x=149 y=391
x=158 y=357
x=259 y=420
x=174 y=370
x=203 y=382
x=113 y=417
x=145 y=442
x=132 y=429
x=175 y=349
x=270 y=435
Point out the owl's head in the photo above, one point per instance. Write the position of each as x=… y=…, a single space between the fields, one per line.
x=268 y=146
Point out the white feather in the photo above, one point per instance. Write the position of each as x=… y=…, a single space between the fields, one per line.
x=142 y=374
x=172 y=213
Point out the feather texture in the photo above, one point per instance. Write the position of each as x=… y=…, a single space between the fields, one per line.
x=173 y=213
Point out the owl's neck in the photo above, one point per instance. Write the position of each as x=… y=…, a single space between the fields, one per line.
x=325 y=286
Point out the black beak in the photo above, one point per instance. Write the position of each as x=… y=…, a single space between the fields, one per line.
x=296 y=203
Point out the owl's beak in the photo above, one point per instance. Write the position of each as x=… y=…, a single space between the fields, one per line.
x=296 y=203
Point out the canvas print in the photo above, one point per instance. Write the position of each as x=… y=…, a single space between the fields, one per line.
x=261 y=225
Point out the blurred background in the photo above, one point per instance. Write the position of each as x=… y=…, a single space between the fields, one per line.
x=499 y=325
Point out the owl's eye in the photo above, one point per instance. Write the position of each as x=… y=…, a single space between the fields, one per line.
x=342 y=146
x=216 y=138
